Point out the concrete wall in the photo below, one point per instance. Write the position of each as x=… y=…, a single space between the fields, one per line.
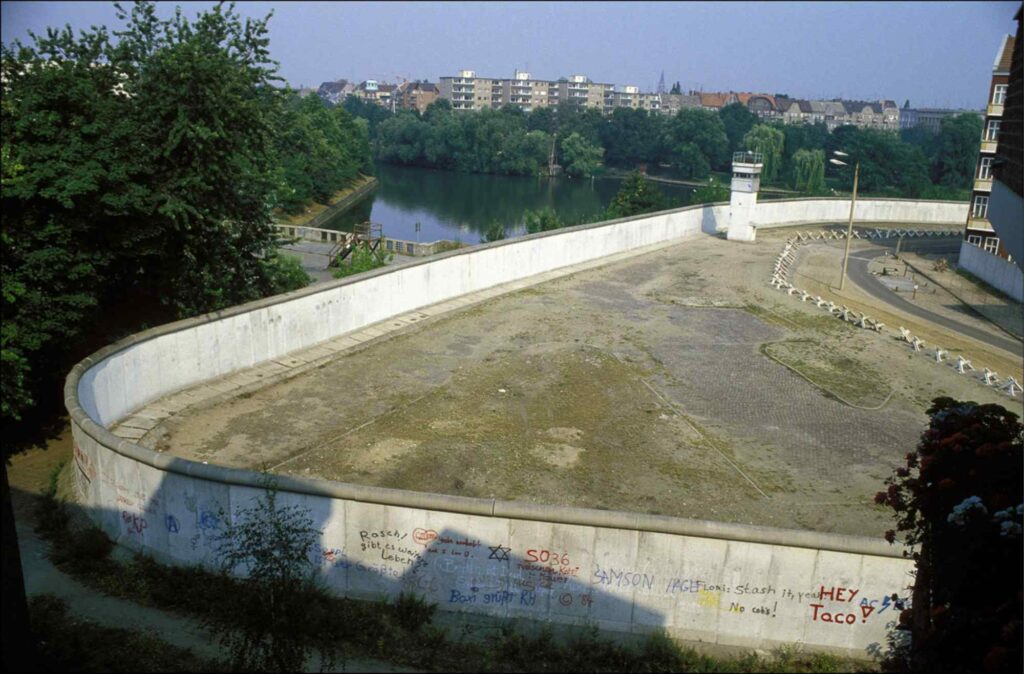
x=993 y=270
x=730 y=584
x=783 y=212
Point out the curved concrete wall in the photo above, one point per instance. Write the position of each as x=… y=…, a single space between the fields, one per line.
x=730 y=584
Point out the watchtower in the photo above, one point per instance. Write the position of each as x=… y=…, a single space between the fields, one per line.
x=746 y=181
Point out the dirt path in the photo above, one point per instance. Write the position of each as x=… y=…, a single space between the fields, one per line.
x=28 y=475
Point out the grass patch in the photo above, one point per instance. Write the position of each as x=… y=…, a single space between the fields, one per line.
x=69 y=644
x=842 y=377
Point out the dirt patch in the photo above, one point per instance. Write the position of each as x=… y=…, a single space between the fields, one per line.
x=639 y=386
x=558 y=455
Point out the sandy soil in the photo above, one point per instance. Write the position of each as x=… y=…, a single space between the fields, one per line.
x=673 y=383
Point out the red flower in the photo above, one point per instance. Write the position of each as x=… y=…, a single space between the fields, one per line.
x=880 y=498
x=947 y=484
x=902 y=472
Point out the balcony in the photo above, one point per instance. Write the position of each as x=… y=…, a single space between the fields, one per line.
x=983 y=184
x=988 y=145
x=979 y=223
x=994 y=110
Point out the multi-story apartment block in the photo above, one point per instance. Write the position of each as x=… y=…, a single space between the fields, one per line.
x=466 y=91
x=579 y=92
x=1006 y=207
x=673 y=103
x=872 y=114
x=415 y=95
x=979 y=231
x=335 y=92
x=931 y=118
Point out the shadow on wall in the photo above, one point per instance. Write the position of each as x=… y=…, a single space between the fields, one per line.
x=178 y=520
x=699 y=589
x=712 y=222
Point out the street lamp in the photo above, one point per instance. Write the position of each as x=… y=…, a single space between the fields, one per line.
x=853 y=202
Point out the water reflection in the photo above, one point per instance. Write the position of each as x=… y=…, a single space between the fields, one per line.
x=451 y=205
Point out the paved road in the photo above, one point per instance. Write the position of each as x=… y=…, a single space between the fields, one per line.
x=859 y=274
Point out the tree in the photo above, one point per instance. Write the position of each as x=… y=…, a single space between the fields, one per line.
x=769 y=141
x=959 y=142
x=704 y=130
x=738 y=121
x=543 y=220
x=711 y=193
x=887 y=164
x=809 y=171
x=958 y=500
x=676 y=89
x=141 y=173
x=632 y=136
x=495 y=232
x=579 y=157
x=637 y=195
x=272 y=624
x=690 y=162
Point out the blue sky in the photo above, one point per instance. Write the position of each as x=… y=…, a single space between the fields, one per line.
x=933 y=53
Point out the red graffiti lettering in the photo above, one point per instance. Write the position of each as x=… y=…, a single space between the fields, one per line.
x=423 y=536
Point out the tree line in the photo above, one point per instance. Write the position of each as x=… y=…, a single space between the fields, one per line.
x=141 y=169
x=913 y=163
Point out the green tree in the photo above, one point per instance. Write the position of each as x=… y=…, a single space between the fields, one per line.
x=631 y=137
x=268 y=625
x=809 y=171
x=579 y=157
x=136 y=173
x=495 y=232
x=769 y=141
x=676 y=89
x=543 y=220
x=738 y=121
x=958 y=502
x=362 y=258
x=711 y=193
x=637 y=195
x=690 y=162
x=958 y=144
x=888 y=165
x=704 y=130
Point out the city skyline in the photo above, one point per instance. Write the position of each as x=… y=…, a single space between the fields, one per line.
x=934 y=54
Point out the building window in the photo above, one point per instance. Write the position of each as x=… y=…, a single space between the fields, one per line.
x=973 y=239
x=998 y=94
x=985 y=168
x=980 y=207
x=991 y=244
x=992 y=130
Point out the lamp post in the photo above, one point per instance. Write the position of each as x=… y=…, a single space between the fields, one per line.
x=853 y=202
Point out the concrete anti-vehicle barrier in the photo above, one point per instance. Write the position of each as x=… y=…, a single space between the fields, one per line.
x=703 y=581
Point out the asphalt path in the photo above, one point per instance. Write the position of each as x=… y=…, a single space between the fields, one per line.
x=858 y=272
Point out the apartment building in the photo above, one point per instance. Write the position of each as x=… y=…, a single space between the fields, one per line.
x=978 y=230
x=1006 y=210
x=466 y=91
x=931 y=118
x=415 y=95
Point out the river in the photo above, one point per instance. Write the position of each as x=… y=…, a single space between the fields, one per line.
x=462 y=206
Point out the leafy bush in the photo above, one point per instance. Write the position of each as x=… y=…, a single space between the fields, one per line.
x=958 y=501
x=273 y=626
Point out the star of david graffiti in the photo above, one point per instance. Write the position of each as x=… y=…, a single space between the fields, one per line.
x=499 y=552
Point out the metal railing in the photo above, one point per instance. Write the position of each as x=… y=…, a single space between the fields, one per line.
x=747 y=157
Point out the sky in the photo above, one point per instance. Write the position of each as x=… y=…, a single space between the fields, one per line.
x=936 y=54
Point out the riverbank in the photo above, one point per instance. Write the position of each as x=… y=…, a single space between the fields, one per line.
x=316 y=214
